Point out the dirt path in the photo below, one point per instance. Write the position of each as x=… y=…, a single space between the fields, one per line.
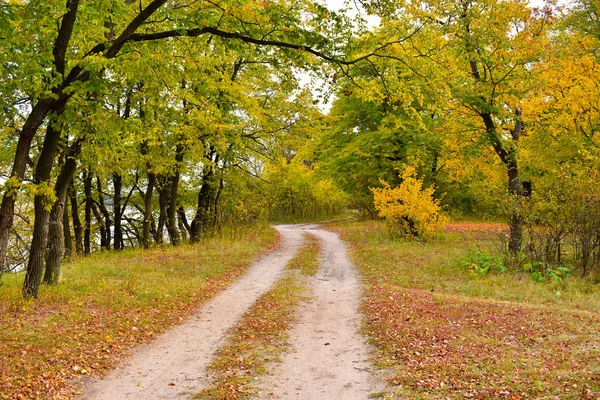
x=174 y=365
x=329 y=359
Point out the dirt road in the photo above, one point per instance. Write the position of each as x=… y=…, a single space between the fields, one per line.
x=328 y=359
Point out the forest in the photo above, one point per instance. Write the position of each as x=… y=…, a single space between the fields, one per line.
x=123 y=119
x=146 y=146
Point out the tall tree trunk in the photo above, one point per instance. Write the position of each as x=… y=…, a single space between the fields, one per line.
x=34 y=120
x=172 y=229
x=67 y=230
x=77 y=228
x=163 y=194
x=174 y=233
x=183 y=221
x=39 y=241
x=146 y=236
x=105 y=223
x=7 y=208
x=202 y=222
x=118 y=230
x=56 y=242
x=89 y=202
x=508 y=156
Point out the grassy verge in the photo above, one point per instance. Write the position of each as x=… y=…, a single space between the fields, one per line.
x=445 y=333
x=259 y=338
x=107 y=303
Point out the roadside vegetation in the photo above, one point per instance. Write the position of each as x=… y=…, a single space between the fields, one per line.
x=445 y=331
x=260 y=337
x=106 y=304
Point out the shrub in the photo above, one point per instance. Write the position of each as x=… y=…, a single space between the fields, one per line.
x=409 y=210
x=481 y=264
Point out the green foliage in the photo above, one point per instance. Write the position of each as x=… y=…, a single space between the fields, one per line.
x=539 y=274
x=296 y=194
x=482 y=264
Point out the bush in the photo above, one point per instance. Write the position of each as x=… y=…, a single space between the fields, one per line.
x=297 y=194
x=409 y=210
x=481 y=264
x=562 y=224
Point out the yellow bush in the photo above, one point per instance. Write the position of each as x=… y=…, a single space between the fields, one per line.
x=409 y=210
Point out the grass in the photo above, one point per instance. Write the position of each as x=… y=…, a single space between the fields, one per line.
x=260 y=337
x=444 y=333
x=105 y=304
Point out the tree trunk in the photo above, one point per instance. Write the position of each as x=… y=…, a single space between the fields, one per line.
x=7 y=208
x=105 y=223
x=56 y=242
x=183 y=220
x=77 y=228
x=162 y=216
x=508 y=155
x=43 y=170
x=89 y=202
x=146 y=235
x=174 y=233
x=67 y=230
x=201 y=224
x=515 y=189
x=118 y=230
x=172 y=228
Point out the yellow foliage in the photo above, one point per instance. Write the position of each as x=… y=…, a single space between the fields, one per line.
x=409 y=210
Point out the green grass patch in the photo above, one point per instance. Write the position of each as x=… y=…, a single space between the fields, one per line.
x=445 y=332
x=260 y=337
x=105 y=304
x=307 y=259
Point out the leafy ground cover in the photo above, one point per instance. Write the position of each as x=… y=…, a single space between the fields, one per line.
x=261 y=335
x=444 y=332
x=106 y=304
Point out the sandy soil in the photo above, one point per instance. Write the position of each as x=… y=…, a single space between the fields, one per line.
x=328 y=359
x=174 y=365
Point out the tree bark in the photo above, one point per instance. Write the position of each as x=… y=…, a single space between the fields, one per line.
x=146 y=232
x=172 y=229
x=104 y=220
x=43 y=169
x=34 y=120
x=77 y=228
x=67 y=230
x=56 y=242
x=89 y=202
x=118 y=230
x=174 y=233
x=162 y=216
x=204 y=218
x=183 y=220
